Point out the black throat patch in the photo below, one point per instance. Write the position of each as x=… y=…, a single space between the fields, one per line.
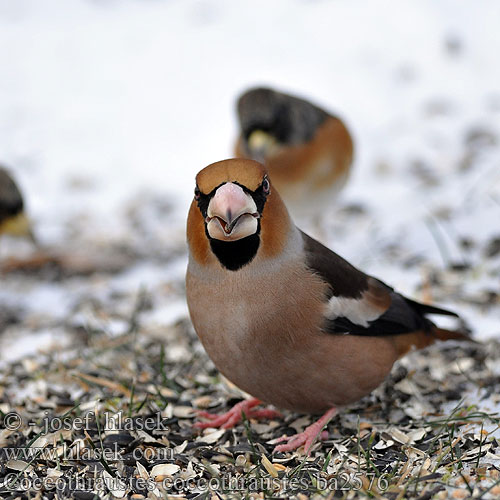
x=233 y=255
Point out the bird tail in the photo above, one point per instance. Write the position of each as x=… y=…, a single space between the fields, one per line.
x=461 y=333
x=444 y=334
x=421 y=339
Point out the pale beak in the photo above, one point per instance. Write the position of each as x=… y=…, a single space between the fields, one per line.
x=19 y=226
x=232 y=214
x=262 y=145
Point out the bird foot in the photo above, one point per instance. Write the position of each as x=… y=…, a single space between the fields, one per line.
x=308 y=436
x=232 y=417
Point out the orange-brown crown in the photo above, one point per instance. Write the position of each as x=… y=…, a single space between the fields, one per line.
x=248 y=173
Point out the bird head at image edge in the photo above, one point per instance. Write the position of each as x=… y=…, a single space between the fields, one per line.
x=13 y=220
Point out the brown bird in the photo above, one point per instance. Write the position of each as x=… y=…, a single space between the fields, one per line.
x=307 y=151
x=282 y=316
x=13 y=220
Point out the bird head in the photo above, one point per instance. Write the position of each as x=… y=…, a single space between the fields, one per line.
x=13 y=220
x=272 y=120
x=235 y=213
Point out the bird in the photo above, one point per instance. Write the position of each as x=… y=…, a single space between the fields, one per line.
x=13 y=220
x=307 y=151
x=282 y=316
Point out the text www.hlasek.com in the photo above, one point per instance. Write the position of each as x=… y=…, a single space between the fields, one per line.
x=79 y=452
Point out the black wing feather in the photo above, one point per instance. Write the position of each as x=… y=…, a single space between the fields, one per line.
x=345 y=281
x=399 y=318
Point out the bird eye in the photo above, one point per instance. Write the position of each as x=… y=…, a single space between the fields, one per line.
x=265 y=185
x=197 y=193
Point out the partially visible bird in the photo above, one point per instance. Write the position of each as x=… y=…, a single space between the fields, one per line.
x=307 y=151
x=13 y=220
x=283 y=317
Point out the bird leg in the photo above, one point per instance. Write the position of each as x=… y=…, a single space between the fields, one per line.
x=232 y=417
x=308 y=436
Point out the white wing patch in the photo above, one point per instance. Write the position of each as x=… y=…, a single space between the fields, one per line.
x=359 y=311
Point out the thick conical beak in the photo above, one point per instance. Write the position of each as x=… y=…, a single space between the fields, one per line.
x=232 y=214
x=261 y=145
x=19 y=225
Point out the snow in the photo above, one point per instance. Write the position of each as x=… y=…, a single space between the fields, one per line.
x=103 y=100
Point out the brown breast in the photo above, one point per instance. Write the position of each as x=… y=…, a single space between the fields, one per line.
x=262 y=328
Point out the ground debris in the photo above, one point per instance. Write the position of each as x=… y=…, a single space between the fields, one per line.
x=116 y=416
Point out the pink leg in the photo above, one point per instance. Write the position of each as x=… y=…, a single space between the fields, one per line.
x=308 y=436
x=233 y=416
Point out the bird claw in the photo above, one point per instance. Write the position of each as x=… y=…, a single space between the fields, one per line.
x=232 y=417
x=297 y=440
x=265 y=413
x=307 y=437
x=207 y=415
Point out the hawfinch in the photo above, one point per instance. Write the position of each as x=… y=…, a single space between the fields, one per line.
x=13 y=220
x=283 y=317
x=307 y=151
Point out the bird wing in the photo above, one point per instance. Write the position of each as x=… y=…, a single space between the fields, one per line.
x=359 y=304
